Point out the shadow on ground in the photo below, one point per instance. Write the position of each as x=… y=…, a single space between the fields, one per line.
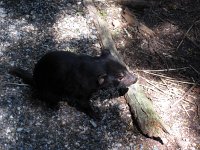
x=28 y=33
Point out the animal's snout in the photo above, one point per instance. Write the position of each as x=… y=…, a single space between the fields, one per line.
x=128 y=79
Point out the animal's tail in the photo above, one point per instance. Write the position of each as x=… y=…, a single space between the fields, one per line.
x=24 y=74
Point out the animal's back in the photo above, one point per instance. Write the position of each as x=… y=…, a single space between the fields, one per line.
x=63 y=73
x=51 y=70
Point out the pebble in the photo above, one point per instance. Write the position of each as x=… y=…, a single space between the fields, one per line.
x=2 y=13
x=93 y=124
x=19 y=129
x=1 y=53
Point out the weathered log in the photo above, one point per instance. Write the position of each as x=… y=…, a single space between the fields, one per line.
x=133 y=21
x=141 y=107
x=138 y=4
x=143 y=112
x=102 y=28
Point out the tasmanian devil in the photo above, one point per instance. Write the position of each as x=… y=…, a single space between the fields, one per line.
x=58 y=74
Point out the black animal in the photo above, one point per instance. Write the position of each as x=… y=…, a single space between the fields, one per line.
x=59 y=74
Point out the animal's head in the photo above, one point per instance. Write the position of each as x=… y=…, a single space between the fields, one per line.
x=116 y=74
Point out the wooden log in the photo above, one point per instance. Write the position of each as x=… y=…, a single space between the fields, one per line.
x=141 y=107
x=137 y=4
x=143 y=112
x=133 y=21
x=102 y=28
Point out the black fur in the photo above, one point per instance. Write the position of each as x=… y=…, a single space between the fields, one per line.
x=59 y=74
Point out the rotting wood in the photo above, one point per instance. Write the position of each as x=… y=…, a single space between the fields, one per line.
x=132 y=20
x=141 y=107
x=138 y=4
x=103 y=30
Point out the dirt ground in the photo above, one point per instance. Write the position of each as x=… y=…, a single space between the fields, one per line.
x=165 y=55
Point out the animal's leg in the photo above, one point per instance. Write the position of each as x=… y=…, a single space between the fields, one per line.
x=84 y=106
x=50 y=98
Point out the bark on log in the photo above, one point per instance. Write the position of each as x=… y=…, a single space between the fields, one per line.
x=142 y=110
x=133 y=21
x=138 y=4
x=102 y=28
x=141 y=107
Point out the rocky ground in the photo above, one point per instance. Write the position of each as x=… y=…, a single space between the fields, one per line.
x=29 y=29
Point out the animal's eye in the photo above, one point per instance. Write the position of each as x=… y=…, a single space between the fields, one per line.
x=120 y=76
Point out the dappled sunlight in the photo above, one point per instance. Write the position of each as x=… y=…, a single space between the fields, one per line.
x=167 y=28
x=18 y=30
x=169 y=81
x=67 y=27
x=14 y=31
x=7 y=129
x=176 y=101
x=70 y=32
x=159 y=51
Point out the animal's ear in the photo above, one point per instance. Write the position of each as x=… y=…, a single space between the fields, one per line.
x=105 y=53
x=101 y=79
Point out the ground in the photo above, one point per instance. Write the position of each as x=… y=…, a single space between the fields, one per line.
x=167 y=62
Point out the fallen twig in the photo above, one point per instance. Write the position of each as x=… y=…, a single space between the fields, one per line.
x=185 y=110
x=128 y=34
x=164 y=83
x=184 y=95
x=159 y=75
x=195 y=70
x=158 y=88
x=193 y=42
x=158 y=16
x=178 y=81
x=18 y=84
x=163 y=70
x=169 y=78
x=186 y=101
x=197 y=110
x=147 y=87
x=184 y=36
